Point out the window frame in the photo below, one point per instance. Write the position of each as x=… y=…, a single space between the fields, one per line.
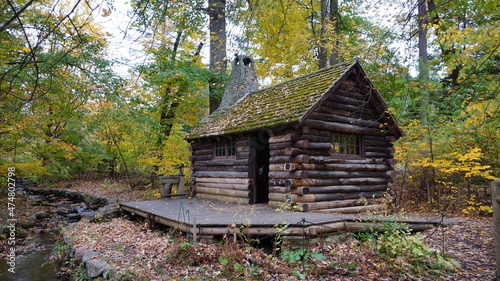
x=224 y=149
x=360 y=145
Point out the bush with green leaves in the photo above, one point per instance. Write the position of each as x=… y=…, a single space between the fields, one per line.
x=396 y=241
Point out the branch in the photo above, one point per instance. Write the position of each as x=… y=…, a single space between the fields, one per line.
x=15 y=15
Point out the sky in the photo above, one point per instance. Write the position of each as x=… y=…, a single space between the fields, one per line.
x=125 y=49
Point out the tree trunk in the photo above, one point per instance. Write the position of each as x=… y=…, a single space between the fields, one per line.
x=218 y=56
x=423 y=61
x=323 y=50
x=329 y=21
x=334 y=19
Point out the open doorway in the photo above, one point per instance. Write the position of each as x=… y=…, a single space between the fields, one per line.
x=261 y=145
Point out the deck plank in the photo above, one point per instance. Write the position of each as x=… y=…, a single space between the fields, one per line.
x=220 y=217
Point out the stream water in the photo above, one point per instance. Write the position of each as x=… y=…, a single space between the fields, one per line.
x=32 y=259
x=34 y=264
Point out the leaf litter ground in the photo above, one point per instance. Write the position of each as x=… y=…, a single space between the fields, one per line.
x=152 y=254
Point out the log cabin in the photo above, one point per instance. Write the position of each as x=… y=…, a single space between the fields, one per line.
x=322 y=141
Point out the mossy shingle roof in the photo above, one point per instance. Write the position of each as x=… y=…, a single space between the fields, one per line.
x=281 y=104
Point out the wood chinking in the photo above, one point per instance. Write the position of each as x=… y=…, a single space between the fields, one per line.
x=291 y=141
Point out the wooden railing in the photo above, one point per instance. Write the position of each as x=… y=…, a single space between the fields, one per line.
x=170 y=181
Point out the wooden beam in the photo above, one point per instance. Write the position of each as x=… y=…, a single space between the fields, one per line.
x=223 y=192
x=303 y=190
x=225 y=180
x=229 y=199
x=344 y=128
x=334 y=204
x=283 y=138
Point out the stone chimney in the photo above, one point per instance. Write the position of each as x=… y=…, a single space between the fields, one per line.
x=243 y=80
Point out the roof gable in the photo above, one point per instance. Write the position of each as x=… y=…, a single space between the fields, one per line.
x=290 y=102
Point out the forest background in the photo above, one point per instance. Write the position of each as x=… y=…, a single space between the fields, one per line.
x=67 y=113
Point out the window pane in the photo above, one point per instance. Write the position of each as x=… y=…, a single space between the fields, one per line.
x=220 y=149
x=231 y=148
x=344 y=144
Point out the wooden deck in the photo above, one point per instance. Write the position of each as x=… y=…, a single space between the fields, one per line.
x=206 y=218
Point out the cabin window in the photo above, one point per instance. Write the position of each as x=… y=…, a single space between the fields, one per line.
x=225 y=149
x=345 y=144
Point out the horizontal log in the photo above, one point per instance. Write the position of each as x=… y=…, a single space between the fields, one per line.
x=201 y=145
x=378 y=143
x=283 y=145
x=356 y=209
x=281 y=189
x=368 y=113
x=348 y=84
x=251 y=231
x=242 y=155
x=330 y=159
x=346 y=113
x=278 y=167
x=324 y=197
x=283 y=138
x=380 y=149
x=242 y=148
x=220 y=168
x=225 y=185
x=325 y=228
x=385 y=139
x=336 y=167
x=229 y=199
x=223 y=192
x=220 y=162
x=225 y=180
x=294 y=183
x=317 y=152
x=277 y=152
x=320 y=145
x=367 y=181
x=354 y=93
x=288 y=175
x=353 y=105
x=370 y=154
x=289 y=159
x=303 y=190
x=344 y=128
x=243 y=143
x=290 y=183
x=344 y=174
x=345 y=120
x=280 y=145
x=316 y=138
x=194 y=158
x=203 y=152
x=343 y=99
x=302 y=144
x=341 y=203
x=316 y=133
x=292 y=151
x=217 y=174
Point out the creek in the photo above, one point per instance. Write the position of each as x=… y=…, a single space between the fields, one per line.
x=36 y=243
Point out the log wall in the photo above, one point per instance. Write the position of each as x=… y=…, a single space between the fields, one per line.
x=301 y=168
x=303 y=171
x=225 y=180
